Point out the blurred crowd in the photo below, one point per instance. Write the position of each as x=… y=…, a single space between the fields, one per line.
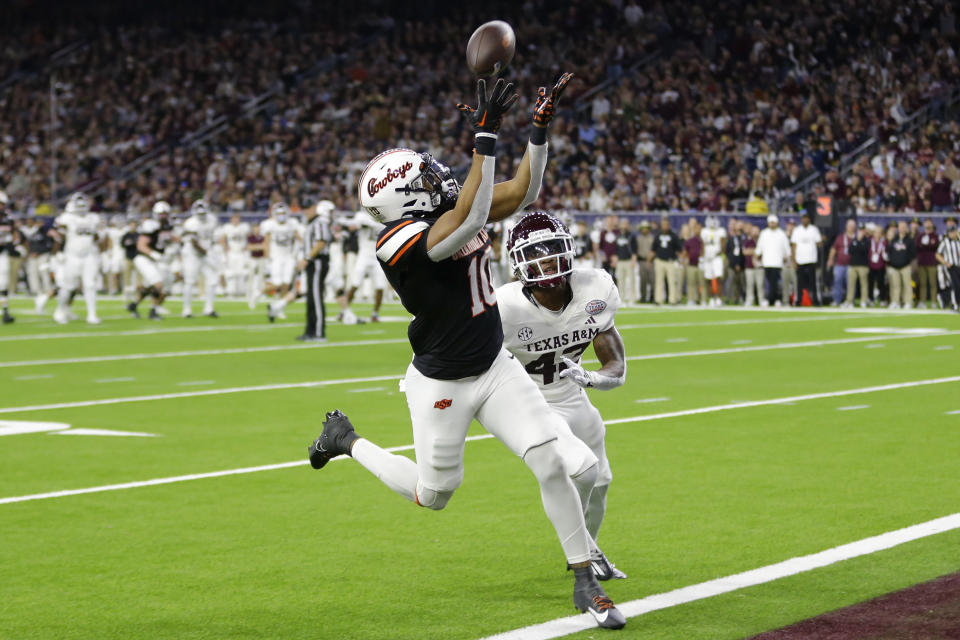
x=744 y=101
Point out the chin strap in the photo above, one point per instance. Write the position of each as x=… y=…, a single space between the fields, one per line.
x=591 y=379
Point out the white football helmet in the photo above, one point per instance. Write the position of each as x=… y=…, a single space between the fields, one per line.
x=402 y=182
x=161 y=208
x=200 y=208
x=713 y=222
x=78 y=203
x=279 y=211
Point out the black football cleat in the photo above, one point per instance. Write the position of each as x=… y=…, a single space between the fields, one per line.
x=154 y=315
x=132 y=308
x=7 y=318
x=589 y=597
x=335 y=440
x=212 y=314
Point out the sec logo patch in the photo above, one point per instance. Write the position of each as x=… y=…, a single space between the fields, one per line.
x=525 y=334
x=595 y=306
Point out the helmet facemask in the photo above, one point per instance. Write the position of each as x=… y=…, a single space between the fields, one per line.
x=437 y=181
x=545 y=260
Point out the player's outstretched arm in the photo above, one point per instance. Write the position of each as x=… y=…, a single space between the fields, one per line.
x=461 y=224
x=513 y=195
x=608 y=346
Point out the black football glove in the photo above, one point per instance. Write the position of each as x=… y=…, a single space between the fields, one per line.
x=546 y=106
x=486 y=117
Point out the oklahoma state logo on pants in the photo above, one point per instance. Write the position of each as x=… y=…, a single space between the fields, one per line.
x=442 y=404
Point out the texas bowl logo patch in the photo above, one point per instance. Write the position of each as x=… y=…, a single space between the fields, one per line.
x=595 y=306
x=525 y=334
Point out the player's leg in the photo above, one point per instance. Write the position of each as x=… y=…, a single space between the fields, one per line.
x=211 y=279
x=91 y=267
x=191 y=269
x=72 y=268
x=379 y=286
x=5 y=287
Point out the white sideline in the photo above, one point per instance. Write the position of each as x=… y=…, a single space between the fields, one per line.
x=724 y=323
x=149 y=332
x=358 y=343
x=800 y=564
x=643 y=418
x=198 y=352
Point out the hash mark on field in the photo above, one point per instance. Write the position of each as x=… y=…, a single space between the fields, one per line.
x=943 y=347
x=676 y=340
x=366 y=389
x=195 y=383
x=953 y=413
x=854 y=407
x=741 y=342
x=39 y=376
x=106 y=380
x=646 y=400
x=875 y=345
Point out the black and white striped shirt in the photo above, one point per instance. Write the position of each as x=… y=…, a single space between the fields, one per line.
x=950 y=250
x=317 y=231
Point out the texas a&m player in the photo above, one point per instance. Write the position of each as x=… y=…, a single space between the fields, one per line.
x=550 y=316
x=436 y=256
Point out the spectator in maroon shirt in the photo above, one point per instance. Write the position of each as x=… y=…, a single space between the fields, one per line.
x=927 y=242
x=940 y=191
x=608 y=244
x=752 y=271
x=839 y=261
x=692 y=250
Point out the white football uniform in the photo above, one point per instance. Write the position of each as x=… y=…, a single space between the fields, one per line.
x=711 y=263
x=540 y=338
x=237 y=260
x=366 y=263
x=81 y=251
x=283 y=240
x=196 y=264
x=114 y=256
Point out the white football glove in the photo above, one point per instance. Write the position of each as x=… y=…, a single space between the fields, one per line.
x=588 y=379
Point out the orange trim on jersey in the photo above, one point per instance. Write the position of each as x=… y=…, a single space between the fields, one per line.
x=402 y=251
x=387 y=235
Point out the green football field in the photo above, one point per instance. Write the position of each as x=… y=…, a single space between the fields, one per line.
x=742 y=438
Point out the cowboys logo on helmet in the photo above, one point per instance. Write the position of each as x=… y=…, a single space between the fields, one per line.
x=541 y=250
x=402 y=182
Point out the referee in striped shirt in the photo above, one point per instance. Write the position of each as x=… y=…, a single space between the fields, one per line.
x=316 y=263
x=948 y=254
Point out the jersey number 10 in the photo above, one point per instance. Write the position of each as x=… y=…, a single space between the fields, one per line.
x=482 y=294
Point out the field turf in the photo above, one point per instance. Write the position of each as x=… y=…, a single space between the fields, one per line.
x=292 y=553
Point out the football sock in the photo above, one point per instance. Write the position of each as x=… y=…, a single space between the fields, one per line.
x=90 y=297
x=397 y=472
x=560 y=501
x=188 y=297
x=63 y=298
x=210 y=291
x=596 y=507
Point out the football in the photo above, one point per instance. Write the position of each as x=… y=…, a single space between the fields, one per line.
x=491 y=48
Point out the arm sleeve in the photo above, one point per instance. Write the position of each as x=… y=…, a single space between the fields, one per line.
x=538 y=163
x=476 y=217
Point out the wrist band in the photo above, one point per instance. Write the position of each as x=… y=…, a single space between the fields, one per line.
x=485 y=143
x=538 y=135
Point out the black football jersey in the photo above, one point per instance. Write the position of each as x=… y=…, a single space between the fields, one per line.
x=6 y=233
x=456 y=330
x=129 y=244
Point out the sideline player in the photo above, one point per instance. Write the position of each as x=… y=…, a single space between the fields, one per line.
x=78 y=228
x=155 y=234
x=714 y=244
x=436 y=255
x=550 y=316
x=198 y=258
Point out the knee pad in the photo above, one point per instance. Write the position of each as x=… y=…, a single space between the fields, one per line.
x=432 y=499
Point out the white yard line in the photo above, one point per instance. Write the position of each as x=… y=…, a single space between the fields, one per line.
x=565 y=626
x=644 y=418
x=728 y=323
x=199 y=352
x=148 y=332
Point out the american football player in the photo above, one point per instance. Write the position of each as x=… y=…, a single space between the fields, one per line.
x=233 y=238
x=9 y=239
x=550 y=316
x=714 y=239
x=435 y=253
x=156 y=234
x=366 y=263
x=198 y=258
x=283 y=238
x=78 y=228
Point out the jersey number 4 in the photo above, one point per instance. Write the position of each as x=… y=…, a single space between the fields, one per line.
x=547 y=366
x=482 y=294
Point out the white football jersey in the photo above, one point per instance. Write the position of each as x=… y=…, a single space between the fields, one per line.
x=235 y=235
x=539 y=338
x=81 y=233
x=367 y=232
x=283 y=236
x=116 y=240
x=712 y=238
x=202 y=228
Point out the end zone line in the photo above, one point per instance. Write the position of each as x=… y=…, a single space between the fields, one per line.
x=800 y=564
x=644 y=418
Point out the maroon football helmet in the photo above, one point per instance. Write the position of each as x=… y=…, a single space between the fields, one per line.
x=541 y=250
